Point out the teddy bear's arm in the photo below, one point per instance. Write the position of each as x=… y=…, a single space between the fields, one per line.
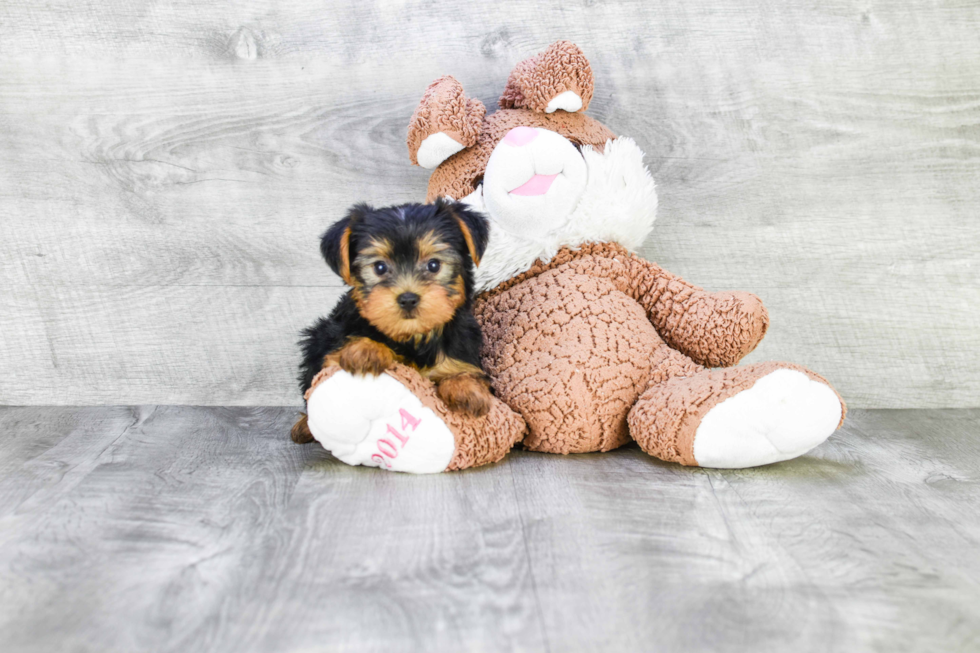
x=715 y=329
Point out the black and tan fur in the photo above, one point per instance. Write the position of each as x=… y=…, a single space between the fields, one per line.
x=391 y=258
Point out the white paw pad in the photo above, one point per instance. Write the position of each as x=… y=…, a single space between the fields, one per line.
x=376 y=421
x=784 y=415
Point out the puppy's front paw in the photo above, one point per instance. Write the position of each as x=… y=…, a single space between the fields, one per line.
x=466 y=393
x=365 y=357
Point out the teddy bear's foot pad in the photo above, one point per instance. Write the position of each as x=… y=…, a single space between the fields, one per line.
x=781 y=416
x=376 y=421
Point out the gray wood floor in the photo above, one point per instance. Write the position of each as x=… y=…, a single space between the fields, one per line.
x=188 y=529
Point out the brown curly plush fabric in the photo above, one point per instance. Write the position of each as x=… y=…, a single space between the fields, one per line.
x=571 y=343
x=445 y=108
x=598 y=345
x=458 y=175
x=533 y=83
x=714 y=329
x=479 y=441
x=536 y=81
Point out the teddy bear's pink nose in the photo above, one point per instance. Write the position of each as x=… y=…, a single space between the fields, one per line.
x=519 y=136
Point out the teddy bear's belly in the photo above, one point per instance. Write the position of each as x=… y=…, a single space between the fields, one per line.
x=571 y=353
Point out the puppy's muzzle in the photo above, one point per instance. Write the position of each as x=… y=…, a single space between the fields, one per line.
x=408 y=301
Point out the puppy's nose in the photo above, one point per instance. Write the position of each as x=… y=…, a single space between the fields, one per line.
x=519 y=136
x=408 y=300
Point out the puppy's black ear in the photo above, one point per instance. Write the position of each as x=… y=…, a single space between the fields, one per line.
x=476 y=231
x=335 y=243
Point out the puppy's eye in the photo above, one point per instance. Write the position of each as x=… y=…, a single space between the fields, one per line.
x=380 y=268
x=433 y=265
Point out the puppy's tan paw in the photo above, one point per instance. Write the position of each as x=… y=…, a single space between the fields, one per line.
x=365 y=357
x=466 y=393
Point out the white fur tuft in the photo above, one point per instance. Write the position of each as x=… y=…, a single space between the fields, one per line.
x=619 y=205
x=568 y=101
x=435 y=149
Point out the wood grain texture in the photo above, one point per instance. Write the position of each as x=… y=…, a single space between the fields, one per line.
x=166 y=168
x=206 y=529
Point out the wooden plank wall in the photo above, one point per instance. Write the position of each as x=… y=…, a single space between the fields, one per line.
x=166 y=168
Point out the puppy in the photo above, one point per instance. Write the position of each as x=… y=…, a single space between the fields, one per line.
x=410 y=269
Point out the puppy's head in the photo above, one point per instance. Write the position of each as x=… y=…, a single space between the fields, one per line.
x=410 y=266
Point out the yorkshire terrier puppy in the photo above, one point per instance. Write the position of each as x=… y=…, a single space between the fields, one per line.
x=410 y=269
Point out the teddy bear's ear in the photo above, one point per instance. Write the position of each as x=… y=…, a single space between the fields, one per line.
x=558 y=78
x=445 y=122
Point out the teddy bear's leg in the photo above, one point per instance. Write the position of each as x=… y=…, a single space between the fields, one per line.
x=396 y=421
x=377 y=422
x=737 y=417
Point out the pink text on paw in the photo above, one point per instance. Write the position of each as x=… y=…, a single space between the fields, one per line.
x=387 y=448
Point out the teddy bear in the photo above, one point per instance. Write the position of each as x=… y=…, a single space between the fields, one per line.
x=588 y=346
